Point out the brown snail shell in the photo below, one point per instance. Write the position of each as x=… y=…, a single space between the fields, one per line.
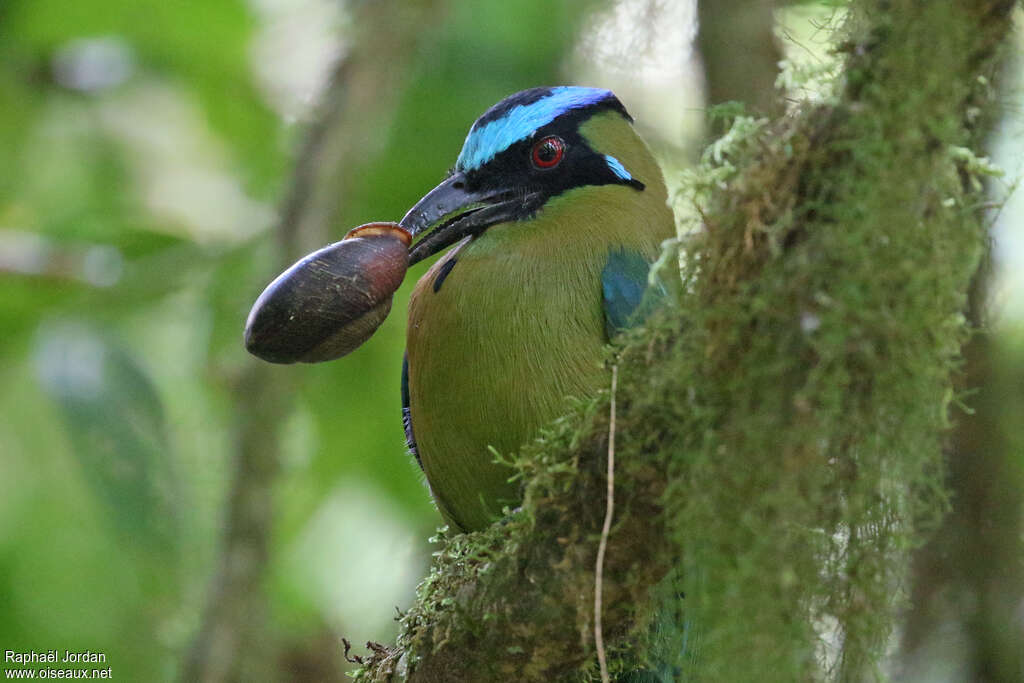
x=330 y=302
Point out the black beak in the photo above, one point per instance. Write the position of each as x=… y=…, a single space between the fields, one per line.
x=451 y=212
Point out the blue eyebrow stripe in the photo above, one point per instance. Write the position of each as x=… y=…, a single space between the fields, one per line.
x=617 y=168
x=487 y=141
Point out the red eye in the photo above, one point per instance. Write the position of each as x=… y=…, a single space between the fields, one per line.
x=548 y=152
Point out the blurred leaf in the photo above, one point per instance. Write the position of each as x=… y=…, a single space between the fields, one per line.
x=116 y=424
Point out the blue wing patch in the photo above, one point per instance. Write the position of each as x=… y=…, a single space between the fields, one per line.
x=623 y=283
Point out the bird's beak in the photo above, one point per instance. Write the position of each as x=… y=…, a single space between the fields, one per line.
x=451 y=212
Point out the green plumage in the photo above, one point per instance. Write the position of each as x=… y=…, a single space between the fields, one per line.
x=520 y=321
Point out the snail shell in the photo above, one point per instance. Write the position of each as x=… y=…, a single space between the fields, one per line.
x=330 y=302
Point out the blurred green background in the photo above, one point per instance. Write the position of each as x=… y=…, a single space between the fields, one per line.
x=159 y=163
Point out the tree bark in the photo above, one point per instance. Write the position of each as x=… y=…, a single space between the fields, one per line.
x=740 y=53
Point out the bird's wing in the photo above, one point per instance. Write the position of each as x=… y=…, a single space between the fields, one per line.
x=623 y=283
x=410 y=440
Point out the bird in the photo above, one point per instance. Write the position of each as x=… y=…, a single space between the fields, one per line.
x=546 y=229
x=551 y=217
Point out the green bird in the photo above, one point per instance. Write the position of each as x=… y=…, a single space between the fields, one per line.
x=556 y=209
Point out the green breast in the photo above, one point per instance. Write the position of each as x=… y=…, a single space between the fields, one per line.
x=516 y=327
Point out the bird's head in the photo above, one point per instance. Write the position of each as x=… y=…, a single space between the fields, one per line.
x=527 y=149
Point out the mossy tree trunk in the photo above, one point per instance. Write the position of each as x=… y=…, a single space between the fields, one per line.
x=779 y=429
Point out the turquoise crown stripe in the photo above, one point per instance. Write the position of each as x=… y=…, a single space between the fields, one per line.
x=487 y=141
x=617 y=168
